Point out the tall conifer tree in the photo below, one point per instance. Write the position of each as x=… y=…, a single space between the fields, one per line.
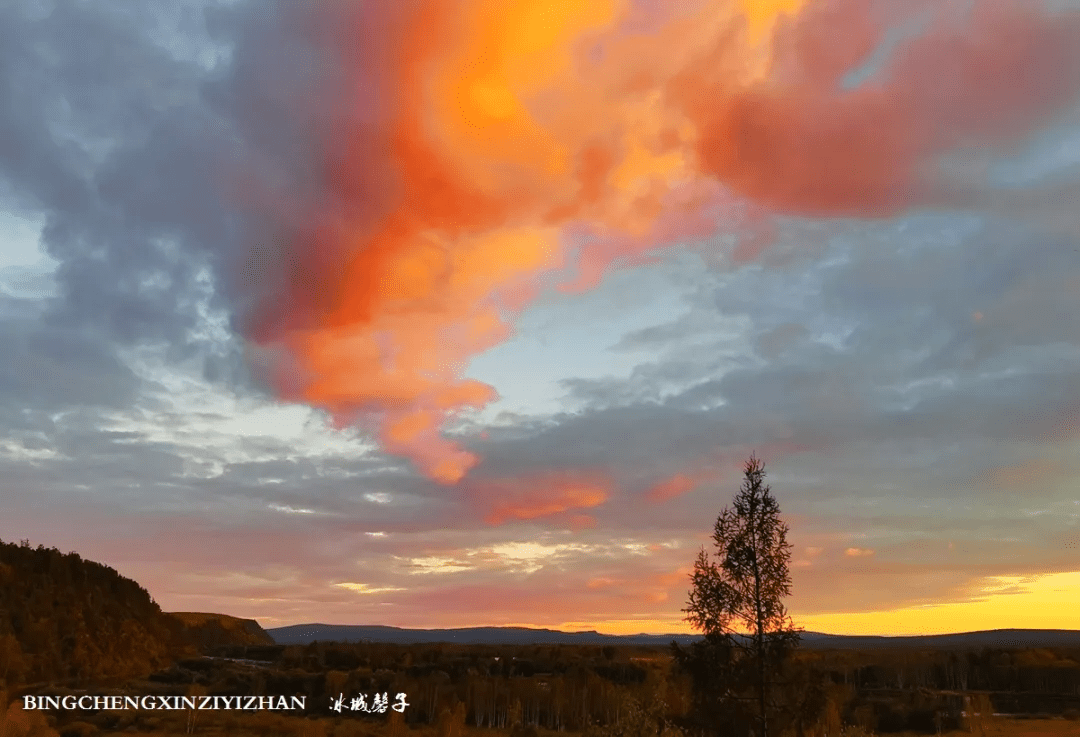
x=736 y=598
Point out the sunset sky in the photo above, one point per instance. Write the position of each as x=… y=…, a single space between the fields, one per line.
x=446 y=313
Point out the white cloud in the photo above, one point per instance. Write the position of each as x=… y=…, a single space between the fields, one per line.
x=363 y=588
x=291 y=510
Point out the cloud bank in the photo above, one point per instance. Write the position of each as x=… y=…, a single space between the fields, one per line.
x=345 y=310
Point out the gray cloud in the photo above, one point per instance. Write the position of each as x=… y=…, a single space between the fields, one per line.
x=889 y=367
x=926 y=353
x=105 y=138
x=50 y=369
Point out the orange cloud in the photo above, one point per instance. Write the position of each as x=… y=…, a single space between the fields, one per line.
x=547 y=495
x=582 y=522
x=802 y=142
x=675 y=578
x=600 y=583
x=465 y=153
x=671 y=487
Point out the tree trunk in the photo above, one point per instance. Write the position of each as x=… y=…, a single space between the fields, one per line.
x=760 y=635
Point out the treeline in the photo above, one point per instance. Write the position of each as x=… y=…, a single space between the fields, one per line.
x=69 y=620
x=1041 y=670
x=485 y=686
x=64 y=619
x=594 y=690
x=574 y=688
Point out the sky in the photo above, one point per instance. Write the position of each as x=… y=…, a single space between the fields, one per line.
x=448 y=313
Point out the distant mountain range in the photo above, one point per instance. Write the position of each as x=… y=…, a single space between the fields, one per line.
x=300 y=634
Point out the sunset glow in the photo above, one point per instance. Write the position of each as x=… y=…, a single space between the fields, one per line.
x=1035 y=602
x=448 y=313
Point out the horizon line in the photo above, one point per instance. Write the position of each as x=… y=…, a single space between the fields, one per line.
x=540 y=628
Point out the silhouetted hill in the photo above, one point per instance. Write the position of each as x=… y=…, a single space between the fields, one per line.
x=210 y=631
x=63 y=618
x=1002 y=639
x=66 y=619
x=304 y=633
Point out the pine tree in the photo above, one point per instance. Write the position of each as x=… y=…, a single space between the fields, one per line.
x=736 y=600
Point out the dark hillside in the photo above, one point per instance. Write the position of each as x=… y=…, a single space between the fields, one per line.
x=64 y=619
x=211 y=631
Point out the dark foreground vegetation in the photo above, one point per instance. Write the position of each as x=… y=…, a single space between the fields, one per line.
x=621 y=692
x=74 y=627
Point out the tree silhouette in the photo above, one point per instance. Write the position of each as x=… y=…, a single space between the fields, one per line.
x=736 y=600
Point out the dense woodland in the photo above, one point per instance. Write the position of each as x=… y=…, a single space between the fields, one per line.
x=65 y=618
x=68 y=624
x=69 y=620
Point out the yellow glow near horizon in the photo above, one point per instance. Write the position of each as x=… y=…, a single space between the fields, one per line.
x=1050 y=601
x=663 y=626
x=1040 y=602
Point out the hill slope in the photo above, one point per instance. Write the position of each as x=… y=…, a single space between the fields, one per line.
x=208 y=631
x=66 y=619
x=304 y=633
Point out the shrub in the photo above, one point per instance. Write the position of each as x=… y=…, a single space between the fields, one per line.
x=856 y=730
x=19 y=723
x=79 y=729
